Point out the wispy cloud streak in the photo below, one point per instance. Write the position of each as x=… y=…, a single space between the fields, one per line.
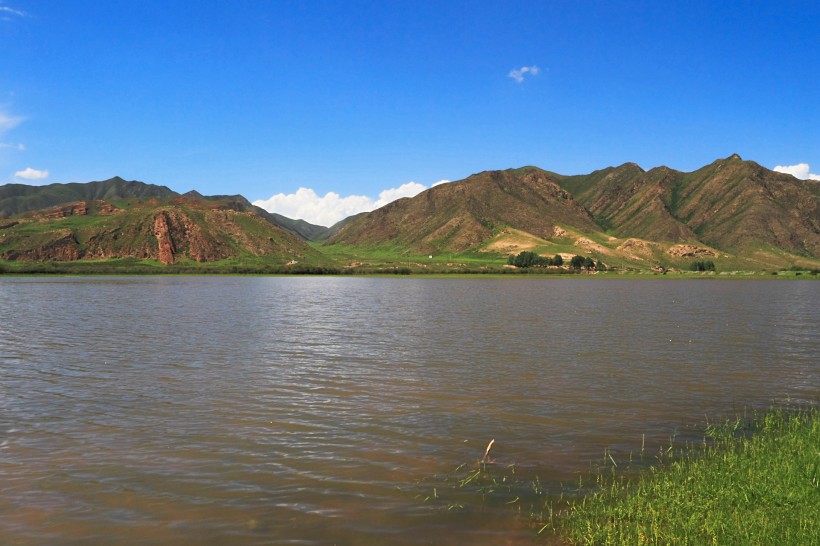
x=8 y=122
x=7 y=12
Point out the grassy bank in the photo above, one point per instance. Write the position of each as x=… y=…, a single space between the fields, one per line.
x=748 y=481
x=757 y=483
x=260 y=266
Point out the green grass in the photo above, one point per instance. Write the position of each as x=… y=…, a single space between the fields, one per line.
x=749 y=481
x=376 y=258
x=744 y=485
x=135 y=266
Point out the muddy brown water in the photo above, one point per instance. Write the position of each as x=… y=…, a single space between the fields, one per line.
x=331 y=410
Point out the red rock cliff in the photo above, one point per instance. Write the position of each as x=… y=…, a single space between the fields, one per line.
x=162 y=232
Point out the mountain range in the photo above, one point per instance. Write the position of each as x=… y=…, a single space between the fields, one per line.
x=118 y=219
x=731 y=211
x=731 y=208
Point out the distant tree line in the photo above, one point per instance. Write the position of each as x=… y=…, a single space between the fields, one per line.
x=586 y=262
x=531 y=259
x=701 y=265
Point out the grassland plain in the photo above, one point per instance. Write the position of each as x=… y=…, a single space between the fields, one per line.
x=372 y=264
x=749 y=482
x=376 y=258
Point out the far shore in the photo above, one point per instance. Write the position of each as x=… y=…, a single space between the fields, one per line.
x=93 y=268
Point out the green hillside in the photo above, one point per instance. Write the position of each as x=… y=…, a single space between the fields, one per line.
x=734 y=213
x=182 y=230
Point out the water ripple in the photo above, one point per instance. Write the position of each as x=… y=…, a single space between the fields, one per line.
x=307 y=410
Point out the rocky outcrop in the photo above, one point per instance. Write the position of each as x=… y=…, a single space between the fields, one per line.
x=178 y=234
x=201 y=246
x=690 y=251
x=61 y=246
x=64 y=249
x=80 y=208
x=106 y=208
x=589 y=245
x=637 y=249
x=162 y=231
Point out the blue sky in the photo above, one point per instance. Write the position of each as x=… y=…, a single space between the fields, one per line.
x=372 y=100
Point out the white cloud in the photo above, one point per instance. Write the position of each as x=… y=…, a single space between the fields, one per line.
x=801 y=171
x=410 y=189
x=31 y=174
x=6 y=11
x=19 y=147
x=307 y=205
x=326 y=210
x=518 y=75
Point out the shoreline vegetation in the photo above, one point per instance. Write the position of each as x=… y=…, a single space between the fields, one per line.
x=319 y=271
x=748 y=480
x=129 y=266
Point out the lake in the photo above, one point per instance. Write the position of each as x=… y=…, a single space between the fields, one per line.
x=335 y=410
